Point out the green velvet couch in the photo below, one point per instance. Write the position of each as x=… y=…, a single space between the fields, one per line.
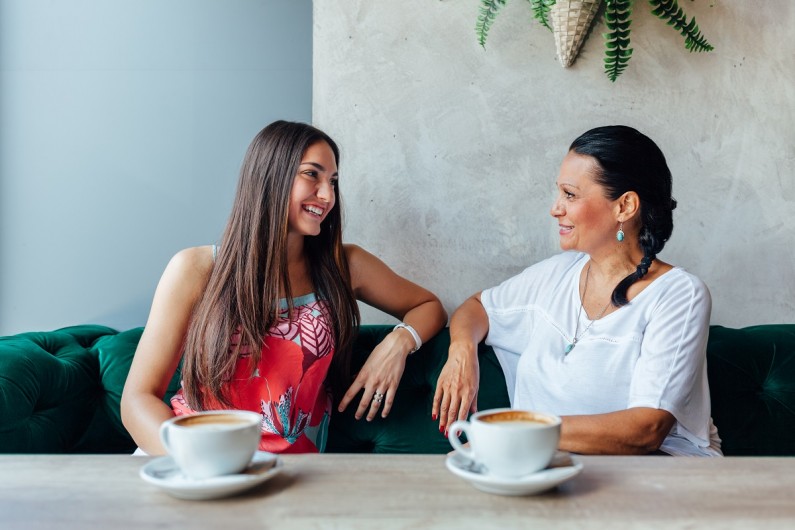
x=60 y=392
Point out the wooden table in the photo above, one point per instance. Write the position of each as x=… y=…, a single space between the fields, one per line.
x=402 y=491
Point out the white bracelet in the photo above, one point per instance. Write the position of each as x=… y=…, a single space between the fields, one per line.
x=414 y=334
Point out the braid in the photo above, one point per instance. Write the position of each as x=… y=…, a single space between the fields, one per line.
x=650 y=245
x=643 y=266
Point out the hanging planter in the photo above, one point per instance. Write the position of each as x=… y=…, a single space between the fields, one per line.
x=570 y=22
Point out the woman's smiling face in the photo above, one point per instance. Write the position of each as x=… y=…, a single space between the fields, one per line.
x=586 y=216
x=314 y=191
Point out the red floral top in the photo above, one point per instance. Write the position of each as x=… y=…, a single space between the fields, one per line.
x=288 y=386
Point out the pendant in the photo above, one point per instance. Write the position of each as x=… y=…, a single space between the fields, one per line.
x=569 y=348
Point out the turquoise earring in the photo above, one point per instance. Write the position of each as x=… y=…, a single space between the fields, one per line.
x=620 y=233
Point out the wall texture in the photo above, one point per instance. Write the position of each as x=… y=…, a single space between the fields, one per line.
x=450 y=151
x=123 y=124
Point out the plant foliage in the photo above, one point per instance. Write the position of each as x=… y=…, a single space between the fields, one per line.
x=616 y=17
x=488 y=11
x=617 y=50
x=670 y=11
x=541 y=11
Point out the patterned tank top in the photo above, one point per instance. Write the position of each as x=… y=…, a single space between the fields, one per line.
x=288 y=384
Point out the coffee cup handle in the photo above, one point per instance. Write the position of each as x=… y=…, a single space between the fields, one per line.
x=164 y=435
x=454 y=432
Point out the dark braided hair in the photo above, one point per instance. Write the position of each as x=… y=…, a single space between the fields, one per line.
x=631 y=161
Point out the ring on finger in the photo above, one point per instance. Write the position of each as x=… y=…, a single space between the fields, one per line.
x=378 y=397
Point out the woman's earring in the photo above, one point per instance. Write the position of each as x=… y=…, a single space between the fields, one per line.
x=620 y=233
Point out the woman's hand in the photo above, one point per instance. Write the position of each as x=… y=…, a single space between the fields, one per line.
x=380 y=376
x=377 y=285
x=457 y=388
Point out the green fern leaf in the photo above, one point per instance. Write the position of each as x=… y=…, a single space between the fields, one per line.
x=541 y=11
x=488 y=11
x=670 y=12
x=617 y=50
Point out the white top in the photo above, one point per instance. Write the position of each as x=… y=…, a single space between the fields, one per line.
x=649 y=353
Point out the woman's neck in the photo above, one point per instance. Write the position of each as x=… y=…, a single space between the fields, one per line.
x=295 y=249
x=298 y=266
x=613 y=268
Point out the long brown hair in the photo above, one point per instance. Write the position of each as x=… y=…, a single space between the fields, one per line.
x=251 y=269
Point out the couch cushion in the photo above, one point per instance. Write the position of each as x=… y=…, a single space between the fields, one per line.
x=48 y=389
x=752 y=385
x=60 y=390
x=114 y=354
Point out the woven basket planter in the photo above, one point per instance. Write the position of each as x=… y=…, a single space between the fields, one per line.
x=570 y=21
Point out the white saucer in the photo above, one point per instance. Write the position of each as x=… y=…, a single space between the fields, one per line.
x=164 y=473
x=562 y=468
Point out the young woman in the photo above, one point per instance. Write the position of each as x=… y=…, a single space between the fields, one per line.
x=265 y=321
x=606 y=334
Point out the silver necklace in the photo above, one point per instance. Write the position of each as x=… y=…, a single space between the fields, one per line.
x=573 y=342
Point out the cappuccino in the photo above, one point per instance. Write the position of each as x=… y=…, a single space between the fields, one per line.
x=521 y=417
x=213 y=422
x=507 y=442
x=208 y=444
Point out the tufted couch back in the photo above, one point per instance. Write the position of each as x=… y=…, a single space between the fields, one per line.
x=60 y=392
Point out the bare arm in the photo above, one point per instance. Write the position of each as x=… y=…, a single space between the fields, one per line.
x=160 y=348
x=457 y=388
x=634 y=431
x=375 y=284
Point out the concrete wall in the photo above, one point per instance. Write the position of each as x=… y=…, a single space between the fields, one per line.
x=450 y=151
x=123 y=124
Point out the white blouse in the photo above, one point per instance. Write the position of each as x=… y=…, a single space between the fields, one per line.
x=649 y=353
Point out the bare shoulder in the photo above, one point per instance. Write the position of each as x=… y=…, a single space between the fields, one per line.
x=196 y=260
x=360 y=261
x=189 y=270
x=354 y=252
x=180 y=288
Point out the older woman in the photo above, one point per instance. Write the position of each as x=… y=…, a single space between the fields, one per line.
x=605 y=334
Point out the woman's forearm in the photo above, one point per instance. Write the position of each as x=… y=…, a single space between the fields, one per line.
x=633 y=431
x=427 y=319
x=469 y=324
x=142 y=415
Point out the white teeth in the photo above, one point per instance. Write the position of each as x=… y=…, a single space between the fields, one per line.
x=313 y=209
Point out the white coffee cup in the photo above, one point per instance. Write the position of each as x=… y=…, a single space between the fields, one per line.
x=212 y=443
x=508 y=442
